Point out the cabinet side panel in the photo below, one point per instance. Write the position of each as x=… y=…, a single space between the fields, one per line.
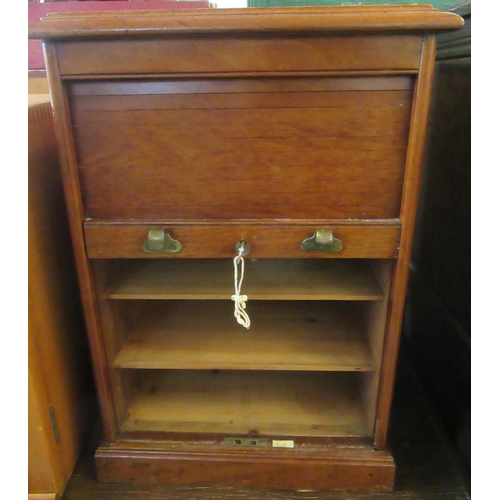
x=62 y=124
x=421 y=105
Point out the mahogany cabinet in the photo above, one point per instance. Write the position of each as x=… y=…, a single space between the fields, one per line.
x=291 y=139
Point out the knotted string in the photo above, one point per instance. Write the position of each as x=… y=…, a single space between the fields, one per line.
x=240 y=300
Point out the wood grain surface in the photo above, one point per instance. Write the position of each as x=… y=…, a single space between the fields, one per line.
x=64 y=136
x=124 y=240
x=312 y=153
x=311 y=336
x=266 y=279
x=373 y=19
x=136 y=157
x=248 y=55
x=230 y=402
x=59 y=376
x=416 y=144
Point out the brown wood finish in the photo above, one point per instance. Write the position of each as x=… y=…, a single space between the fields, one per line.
x=426 y=466
x=87 y=94
x=249 y=55
x=116 y=318
x=365 y=19
x=218 y=240
x=249 y=403
x=311 y=337
x=374 y=322
x=327 y=469
x=58 y=363
x=64 y=136
x=257 y=125
x=42 y=496
x=133 y=162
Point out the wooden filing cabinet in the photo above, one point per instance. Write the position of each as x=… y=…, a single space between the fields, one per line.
x=297 y=131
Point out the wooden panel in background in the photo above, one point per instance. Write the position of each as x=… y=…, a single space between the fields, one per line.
x=60 y=380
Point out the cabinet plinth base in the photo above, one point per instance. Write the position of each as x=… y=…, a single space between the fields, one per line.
x=354 y=469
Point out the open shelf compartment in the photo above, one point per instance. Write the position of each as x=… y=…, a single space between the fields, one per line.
x=251 y=403
x=265 y=279
x=304 y=335
x=309 y=365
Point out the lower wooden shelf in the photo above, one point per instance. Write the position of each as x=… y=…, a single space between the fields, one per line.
x=249 y=403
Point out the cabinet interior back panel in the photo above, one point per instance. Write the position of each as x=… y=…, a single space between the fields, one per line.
x=314 y=147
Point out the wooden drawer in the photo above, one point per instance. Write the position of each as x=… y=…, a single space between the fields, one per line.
x=242 y=148
x=216 y=240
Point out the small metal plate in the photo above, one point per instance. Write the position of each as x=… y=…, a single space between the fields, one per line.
x=240 y=441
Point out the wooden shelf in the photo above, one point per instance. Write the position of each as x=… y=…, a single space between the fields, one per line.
x=319 y=336
x=265 y=279
x=255 y=403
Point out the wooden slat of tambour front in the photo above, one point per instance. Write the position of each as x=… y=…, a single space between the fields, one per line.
x=251 y=116
x=265 y=279
x=171 y=157
x=312 y=336
x=248 y=54
x=237 y=205
x=375 y=147
x=303 y=189
x=344 y=136
x=238 y=402
x=218 y=240
x=226 y=85
x=273 y=100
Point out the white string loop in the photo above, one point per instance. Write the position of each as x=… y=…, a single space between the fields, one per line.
x=240 y=300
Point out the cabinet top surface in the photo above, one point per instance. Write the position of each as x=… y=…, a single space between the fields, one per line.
x=339 y=19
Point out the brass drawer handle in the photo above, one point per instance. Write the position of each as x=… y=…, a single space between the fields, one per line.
x=322 y=241
x=160 y=241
